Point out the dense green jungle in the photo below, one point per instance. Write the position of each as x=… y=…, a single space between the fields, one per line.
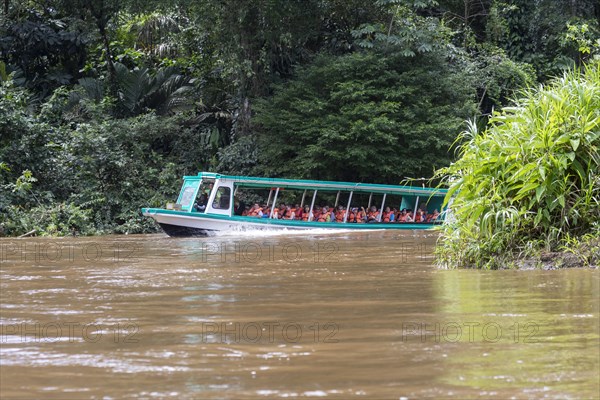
x=106 y=104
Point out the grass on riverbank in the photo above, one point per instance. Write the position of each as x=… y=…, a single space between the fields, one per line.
x=529 y=185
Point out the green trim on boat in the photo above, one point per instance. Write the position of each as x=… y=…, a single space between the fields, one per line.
x=248 y=181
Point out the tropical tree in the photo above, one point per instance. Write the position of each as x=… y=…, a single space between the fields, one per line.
x=42 y=50
x=365 y=116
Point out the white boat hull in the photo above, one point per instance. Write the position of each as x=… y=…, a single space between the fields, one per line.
x=177 y=223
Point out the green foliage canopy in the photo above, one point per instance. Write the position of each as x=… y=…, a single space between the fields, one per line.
x=365 y=116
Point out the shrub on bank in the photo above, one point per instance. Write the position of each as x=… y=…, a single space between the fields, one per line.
x=530 y=182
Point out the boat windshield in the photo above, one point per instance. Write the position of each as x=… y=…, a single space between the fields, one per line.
x=188 y=193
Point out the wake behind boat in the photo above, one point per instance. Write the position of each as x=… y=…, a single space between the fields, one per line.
x=210 y=203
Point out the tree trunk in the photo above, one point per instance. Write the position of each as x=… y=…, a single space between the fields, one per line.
x=109 y=61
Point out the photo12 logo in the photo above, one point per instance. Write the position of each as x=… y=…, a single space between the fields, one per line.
x=452 y=331
x=254 y=252
x=55 y=252
x=268 y=332
x=71 y=332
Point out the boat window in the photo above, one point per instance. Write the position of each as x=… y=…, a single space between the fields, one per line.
x=222 y=198
x=187 y=196
x=188 y=193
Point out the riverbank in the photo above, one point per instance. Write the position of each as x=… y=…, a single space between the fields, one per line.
x=526 y=189
x=581 y=253
x=557 y=260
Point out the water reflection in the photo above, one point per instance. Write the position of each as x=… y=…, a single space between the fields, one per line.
x=312 y=315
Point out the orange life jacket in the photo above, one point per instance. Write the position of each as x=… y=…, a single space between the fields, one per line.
x=351 y=216
x=323 y=217
x=385 y=217
x=287 y=214
x=255 y=212
x=373 y=215
x=339 y=215
x=360 y=217
x=305 y=216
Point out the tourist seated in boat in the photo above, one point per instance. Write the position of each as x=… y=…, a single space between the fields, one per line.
x=298 y=214
x=421 y=216
x=373 y=215
x=316 y=214
x=256 y=211
x=332 y=214
x=306 y=214
x=361 y=216
x=401 y=216
x=352 y=215
x=288 y=213
x=246 y=211
x=325 y=215
x=339 y=214
x=275 y=214
x=291 y=211
x=433 y=217
x=239 y=208
x=387 y=215
x=278 y=211
x=281 y=212
x=409 y=216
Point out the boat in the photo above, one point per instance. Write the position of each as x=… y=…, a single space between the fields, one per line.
x=220 y=211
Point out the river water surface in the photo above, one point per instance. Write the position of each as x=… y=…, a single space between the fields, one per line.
x=344 y=315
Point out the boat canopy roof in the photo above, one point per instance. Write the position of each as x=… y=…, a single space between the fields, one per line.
x=248 y=181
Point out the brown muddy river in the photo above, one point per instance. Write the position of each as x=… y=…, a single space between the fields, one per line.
x=344 y=315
